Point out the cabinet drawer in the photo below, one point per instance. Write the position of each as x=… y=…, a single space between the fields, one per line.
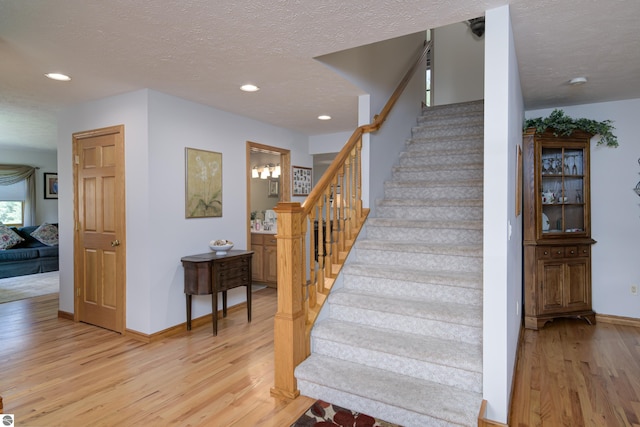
x=543 y=252
x=256 y=239
x=270 y=240
x=232 y=265
x=584 y=250
x=230 y=283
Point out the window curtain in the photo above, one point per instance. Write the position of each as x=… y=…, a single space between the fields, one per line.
x=11 y=174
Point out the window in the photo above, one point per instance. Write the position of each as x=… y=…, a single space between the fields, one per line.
x=12 y=212
x=12 y=201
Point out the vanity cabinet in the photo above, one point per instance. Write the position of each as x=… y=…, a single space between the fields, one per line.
x=265 y=259
x=557 y=227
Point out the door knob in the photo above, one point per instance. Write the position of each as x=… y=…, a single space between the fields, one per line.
x=115 y=243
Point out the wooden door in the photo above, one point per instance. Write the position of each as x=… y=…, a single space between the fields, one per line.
x=99 y=243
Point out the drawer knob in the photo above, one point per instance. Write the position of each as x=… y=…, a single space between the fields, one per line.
x=559 y=252
x=572 y=252
x=546 y=252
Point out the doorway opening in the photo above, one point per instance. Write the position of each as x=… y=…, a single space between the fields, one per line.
x=268 y=181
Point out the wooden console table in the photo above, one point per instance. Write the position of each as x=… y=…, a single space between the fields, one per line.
x=209 y=273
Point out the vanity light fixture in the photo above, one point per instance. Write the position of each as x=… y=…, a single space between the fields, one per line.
x=276 y=172
x=58 y=76
x=265 y=173
x=577 y=81
x=254 y=172
x=249 y=88
x=324 y=117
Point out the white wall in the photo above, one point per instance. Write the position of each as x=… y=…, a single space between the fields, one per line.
x=158 y=127
x=502 y=282
x=377 y=69
x=458 y=65
x=615 y=207
x=46 y=209
x=130 y=110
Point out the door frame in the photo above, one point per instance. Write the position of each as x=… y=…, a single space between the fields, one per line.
x=285 y=177
x=77 y=138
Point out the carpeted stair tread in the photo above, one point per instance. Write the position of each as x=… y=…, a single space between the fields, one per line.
x=469 y=183
x=440 y=152
x=421 y=247
x=445 y=167
x=403 y=345
x=436 y=277
x=431 y=202
x=454 y=313
x=408 y=223
x=382 y=394
x=417 y=285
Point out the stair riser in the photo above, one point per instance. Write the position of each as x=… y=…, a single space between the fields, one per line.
x=420 y=261
x=422 y=145
x=371 y=407
x=446 y=131
x=453 y=110
x=430 y=212
x=447 y=375
x=451 y=120
x=431 y=235
x=406 y=174
x=420 y=159
x=443 y=192
x=415 y=325
x=470 y=294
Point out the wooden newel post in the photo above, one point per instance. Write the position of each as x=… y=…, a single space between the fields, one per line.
x=289 y=326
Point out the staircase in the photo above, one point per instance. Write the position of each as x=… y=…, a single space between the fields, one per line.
x=403 y=338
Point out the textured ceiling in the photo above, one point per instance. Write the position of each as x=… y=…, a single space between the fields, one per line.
x=204 y=50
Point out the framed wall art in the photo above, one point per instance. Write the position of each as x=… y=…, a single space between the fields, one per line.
x=203 y=183
x=50 y=185
x=302 y=180
x=274 y=188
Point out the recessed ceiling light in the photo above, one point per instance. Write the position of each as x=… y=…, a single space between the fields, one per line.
x=58 y=76
x=324 y=117
x=249 y=88
x=578 y=81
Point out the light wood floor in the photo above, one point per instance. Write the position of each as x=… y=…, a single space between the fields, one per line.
x=54 y=372
x=573 y=374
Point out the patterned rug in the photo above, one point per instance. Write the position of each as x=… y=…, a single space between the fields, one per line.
x=323 y=414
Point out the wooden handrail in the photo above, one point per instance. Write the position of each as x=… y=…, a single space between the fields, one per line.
x=331 y=218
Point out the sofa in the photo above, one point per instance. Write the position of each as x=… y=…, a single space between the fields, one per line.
x=30 y=255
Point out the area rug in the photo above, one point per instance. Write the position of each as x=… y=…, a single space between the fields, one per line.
x=32 y=285
x=323 y=414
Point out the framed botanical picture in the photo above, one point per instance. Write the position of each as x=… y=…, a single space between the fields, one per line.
x=203 y=183
x=302 y=180
x=50 y=185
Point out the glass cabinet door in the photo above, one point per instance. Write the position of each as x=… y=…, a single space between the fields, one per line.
x=562 y=190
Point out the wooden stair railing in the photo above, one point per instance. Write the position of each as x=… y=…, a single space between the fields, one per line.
x=313 y=242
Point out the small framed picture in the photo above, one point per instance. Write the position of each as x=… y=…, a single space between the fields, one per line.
x=50 y=185
x=302 y=180
x=274 y=188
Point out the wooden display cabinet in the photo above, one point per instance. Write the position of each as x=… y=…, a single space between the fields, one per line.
x=557 y=227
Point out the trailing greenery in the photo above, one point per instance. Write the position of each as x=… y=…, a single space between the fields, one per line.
x=564 y=125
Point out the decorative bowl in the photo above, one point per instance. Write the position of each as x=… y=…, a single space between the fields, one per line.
x=220 y=246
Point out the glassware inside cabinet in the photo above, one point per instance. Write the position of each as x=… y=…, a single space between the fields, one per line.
x=551 y=161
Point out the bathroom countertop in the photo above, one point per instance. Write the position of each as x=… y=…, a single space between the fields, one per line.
x=264 y=231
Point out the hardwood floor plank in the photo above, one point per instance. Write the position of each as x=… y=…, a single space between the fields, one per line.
x=59 y=373
x=573 y=374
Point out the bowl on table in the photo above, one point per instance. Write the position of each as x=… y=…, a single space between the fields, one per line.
x=221 y=247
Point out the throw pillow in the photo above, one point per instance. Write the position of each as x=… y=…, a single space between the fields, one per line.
x=46 y=234
x=8 y=237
